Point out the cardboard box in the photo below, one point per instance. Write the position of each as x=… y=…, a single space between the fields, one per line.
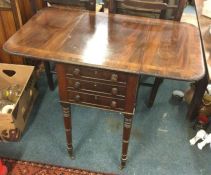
x=12 y=125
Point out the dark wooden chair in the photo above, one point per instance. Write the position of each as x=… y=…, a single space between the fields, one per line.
x=162 y=9
x=83 y=4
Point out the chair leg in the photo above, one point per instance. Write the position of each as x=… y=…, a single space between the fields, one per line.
x=154 y=90
x=196 y=101
x=49 y=75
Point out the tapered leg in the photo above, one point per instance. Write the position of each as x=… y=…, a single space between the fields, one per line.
x=49 y=75
x=126 y=137
x=196 y=101
x=68 y=127
x=154 y=91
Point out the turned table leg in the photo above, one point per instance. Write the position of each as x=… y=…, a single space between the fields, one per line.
x=68 y=127
x=126 y=137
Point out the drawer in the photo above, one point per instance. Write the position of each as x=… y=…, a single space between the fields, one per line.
x=96 y=87
x=97 y=74
x=96 y=100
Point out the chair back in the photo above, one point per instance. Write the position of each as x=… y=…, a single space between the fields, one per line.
x=85 y=4
x=163 y=9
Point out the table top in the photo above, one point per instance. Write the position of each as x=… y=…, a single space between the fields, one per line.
x=204 y=23
x=126 y=43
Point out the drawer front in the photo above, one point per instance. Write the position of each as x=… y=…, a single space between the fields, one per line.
x=90 y=86
x=96 y=100
x=97 y=74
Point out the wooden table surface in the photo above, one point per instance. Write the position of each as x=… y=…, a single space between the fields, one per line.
x=204 y=23
x=117 y=42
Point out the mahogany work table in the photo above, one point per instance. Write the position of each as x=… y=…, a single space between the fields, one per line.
x=100 y=57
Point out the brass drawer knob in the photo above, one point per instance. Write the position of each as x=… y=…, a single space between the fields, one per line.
x=77 y=98
x=114 y=91
x=76 y=72
x=113 y=104
x=77 y=85
x=114 y=77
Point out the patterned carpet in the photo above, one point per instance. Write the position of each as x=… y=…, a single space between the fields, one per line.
x=16 y=167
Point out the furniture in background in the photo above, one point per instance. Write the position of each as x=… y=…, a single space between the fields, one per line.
x=204 y=24
x=9 y=23
x=13 y=14
x=162 y=9
x=99 y=59
x=84 y=4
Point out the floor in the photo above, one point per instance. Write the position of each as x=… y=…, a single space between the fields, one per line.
x=159 y=141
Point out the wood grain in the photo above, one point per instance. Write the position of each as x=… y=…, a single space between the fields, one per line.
x=7 y=29
x=130 y=44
